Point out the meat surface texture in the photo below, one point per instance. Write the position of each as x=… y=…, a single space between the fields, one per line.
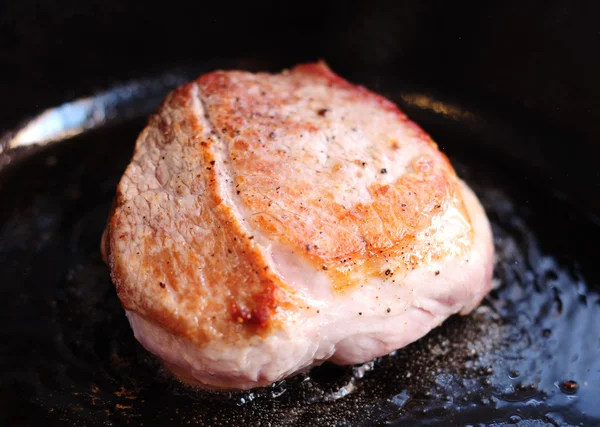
x=270 y=222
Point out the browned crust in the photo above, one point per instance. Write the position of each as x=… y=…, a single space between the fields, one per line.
x=345 y=241
x=237 y=303
x=223 y=289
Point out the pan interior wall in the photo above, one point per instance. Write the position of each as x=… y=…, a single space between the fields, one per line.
x=528 y=353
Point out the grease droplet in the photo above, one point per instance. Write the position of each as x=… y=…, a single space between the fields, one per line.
x=515 y=419
x=569 y=387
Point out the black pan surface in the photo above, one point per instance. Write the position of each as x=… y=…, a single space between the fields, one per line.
x=528 y=356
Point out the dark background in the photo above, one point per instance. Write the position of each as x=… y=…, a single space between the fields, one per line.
x=542 y=57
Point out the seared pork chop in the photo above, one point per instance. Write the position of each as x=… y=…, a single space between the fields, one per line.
x=270 y=222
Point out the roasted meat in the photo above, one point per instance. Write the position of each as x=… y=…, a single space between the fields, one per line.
x=270 y=222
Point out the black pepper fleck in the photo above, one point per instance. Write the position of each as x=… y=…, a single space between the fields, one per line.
x=388 y=272
x=383 y=170
x=388 y=309
x=322 y=111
